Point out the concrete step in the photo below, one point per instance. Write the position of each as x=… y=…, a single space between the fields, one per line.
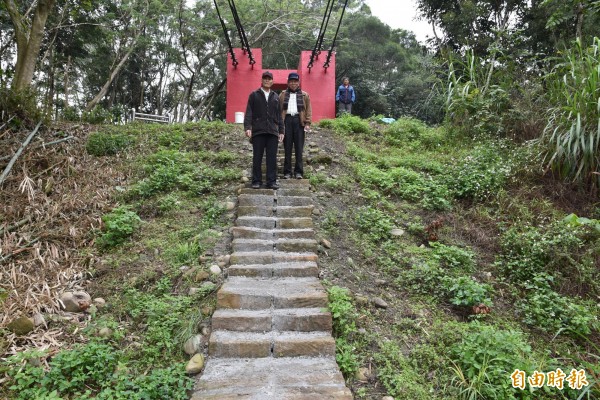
x=291 y=191
x=294 y=201
x=266 y=245
x=270 y=344
x=256 y=211
x=289 y=269
x=260 y=233
x=274 y=222
x=288 y=319
x=259 y=294
x=261 y=200
x=302 y=378
x=253 y=257
x=293 y=212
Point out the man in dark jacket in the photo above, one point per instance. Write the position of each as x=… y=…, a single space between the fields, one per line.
x=263 y=124
x=296 y=113
x=345 y=97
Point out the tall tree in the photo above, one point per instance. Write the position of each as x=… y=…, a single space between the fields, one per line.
x=28 y=34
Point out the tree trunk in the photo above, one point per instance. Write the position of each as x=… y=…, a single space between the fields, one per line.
x=67 y=71
x=29 y=40
x=51 y=86
x=113 y=74
x=579 y=27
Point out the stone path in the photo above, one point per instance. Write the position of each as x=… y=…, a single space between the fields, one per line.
x=271 y=333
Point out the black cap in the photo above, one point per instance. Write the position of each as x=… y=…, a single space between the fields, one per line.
x=293 y=75
x=267 y=73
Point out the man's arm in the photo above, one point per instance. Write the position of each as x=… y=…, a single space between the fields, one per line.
x=248 y=117
x=307 y=111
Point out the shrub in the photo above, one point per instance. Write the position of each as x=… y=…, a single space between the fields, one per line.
x=346 y=124
x=547 y=310
x=485 y=358
x=563 y=250
x=406 y=130
x=342 y=311
x=106 y=144
x=453 y=257
x=97 y=115
x=465 y=291
x=119 y=225
x=479 y=174
x=375 y=223
x=398 y=375
x=22 y=105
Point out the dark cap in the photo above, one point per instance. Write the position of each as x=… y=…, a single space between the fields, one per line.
x=293 y=75
x=267 y=73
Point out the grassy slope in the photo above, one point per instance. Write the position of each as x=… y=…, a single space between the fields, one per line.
x=454 y=201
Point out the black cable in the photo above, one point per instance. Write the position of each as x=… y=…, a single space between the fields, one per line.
x=319 y=43
x=233 y=59
x=326 y=65
x=241 y=32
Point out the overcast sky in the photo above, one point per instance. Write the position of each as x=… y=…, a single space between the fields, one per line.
x=400 y=14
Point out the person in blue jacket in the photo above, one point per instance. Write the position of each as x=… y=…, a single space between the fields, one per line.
x=345 y=97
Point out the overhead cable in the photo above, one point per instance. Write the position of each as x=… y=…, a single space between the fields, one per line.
x=233 y=59
x=326 y=64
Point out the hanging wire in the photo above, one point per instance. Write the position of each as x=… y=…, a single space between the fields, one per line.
x=326 y=64
x=319 y=43
x=241 y=32
x=234 y=61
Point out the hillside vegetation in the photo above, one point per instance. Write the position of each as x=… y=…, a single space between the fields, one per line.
x=451 y=260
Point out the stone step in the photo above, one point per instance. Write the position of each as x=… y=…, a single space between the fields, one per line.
x=266 y=245
x=256 y=211
x=247 y=189
x=270 y=344
x=256 y=294
x=274 y=222
x=293 y=212
x=294 y=201
x=260 y=200
x=301 y=378
x=291 y=191
x=288 y=319
x=294 y=183
x=260 y=233
x=290 y=269
x=253 y=257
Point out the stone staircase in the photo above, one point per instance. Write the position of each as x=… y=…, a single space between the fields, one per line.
x=271 y=332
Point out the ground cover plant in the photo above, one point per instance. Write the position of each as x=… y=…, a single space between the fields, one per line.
x=144 y=248
x=481 y=273
x=450 y=263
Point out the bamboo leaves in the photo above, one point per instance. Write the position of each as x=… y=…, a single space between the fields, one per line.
x=572 y=136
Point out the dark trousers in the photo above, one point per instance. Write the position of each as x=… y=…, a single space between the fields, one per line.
x=294 y=137
x=260 y=143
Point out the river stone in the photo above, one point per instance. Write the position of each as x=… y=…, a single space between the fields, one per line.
x=99 y=302
x=195 y=365
x=379 y=302
x=21 y=326
x=215 y=269
x=193 y=345
x=38 y=320
x=397 y=232
x=326 y=243
x=75 y=301
x=201 y=276
x=387 y=398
